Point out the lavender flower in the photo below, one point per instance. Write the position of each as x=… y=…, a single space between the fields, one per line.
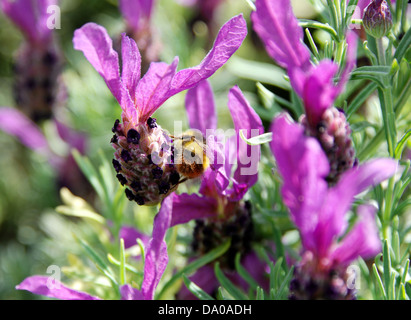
x=277 y=26
x=139 y=138
x=156 y=260
x=320 y=212
x=219 y=211
x=38 y=88
x=17 y=124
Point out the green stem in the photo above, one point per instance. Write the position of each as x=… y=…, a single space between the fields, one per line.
x=386 y=99
x=388 y=114
x=373 y=145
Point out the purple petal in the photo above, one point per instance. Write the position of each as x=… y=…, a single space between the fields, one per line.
x=15 y=123
x=74 y=139
x=97 y=47
x=131 y=60
x=303 y=167
x=31 y=17
x=339 y=199
x=136 y=12
x=229 y=39
x=362 y=241
x=130 y=236
x=49 y=287
x=153 y=89
x=200 y=107
x=156 y=257
x=247 y=120
x=129 y=293
x=319 y=91
x=190 y=207
x=278 y=28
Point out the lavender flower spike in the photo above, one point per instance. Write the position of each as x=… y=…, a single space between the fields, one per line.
x=319 y=212
x=282 y=36
x=143 y=149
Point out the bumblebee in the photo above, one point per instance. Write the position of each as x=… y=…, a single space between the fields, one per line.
x=190 y=154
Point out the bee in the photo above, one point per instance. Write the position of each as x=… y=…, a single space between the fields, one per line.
x=190 y=154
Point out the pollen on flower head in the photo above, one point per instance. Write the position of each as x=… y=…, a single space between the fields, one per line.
x=141 y=164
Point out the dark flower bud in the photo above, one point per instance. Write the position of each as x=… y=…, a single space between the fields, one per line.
x=377 y=19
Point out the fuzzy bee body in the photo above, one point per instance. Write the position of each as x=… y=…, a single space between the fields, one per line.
x=190 y=157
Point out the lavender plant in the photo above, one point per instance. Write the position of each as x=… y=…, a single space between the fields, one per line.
x=290 y=182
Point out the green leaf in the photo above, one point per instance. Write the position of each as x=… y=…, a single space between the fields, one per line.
x=376 y=74
x=306 y=23
x=387 y=267
x=285 y=284
x=235 y=292
x=196 y=264
x=360 y=98
x=128 y=267
x=401 y=144
x=99 y=261
x=404 y=46
x=196 y=290
x=257 y=140
x=122 y=263
x=90 y=172
x=378 y=280
x=260 y=294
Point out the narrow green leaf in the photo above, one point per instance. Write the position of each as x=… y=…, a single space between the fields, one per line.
x=196 y=290
x=387 y=267
x=90 y=172
x=373 y=73
x=196 y=264
x=100 y=263
x=277 y=272
x=392 y=287
x=128 y=267
x=122 y=263
x=235 y=292
x=360 y=98
x=401 y=144
x=222 y=294
x=141 y=245
x=257 y=140
x=285 y=284
x=396 y=246
x=378 y=280
x=80 y=213
x=306 y=23
x=260 y=294
x=405 y=271
x=404 y=46
x=314 y=48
